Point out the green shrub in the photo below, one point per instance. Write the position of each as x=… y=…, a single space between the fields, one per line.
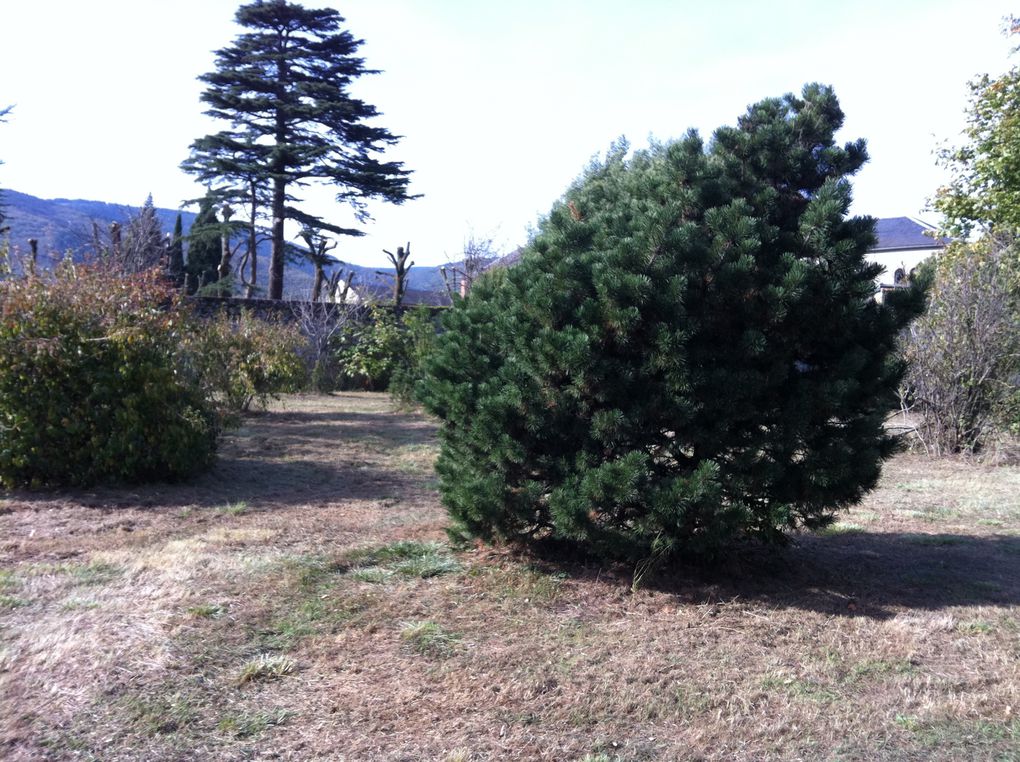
x=386 y=352
x=688 y=354
x=244 y=360
x=93 y=386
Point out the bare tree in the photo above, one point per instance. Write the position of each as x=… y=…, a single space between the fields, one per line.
x=964 y=351
x=322 y=324
x=460 y=276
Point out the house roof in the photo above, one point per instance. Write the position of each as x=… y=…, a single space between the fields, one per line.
x=893 y=234
x=899 y=233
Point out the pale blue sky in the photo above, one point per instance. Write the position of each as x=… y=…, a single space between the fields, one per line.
x=500 y=104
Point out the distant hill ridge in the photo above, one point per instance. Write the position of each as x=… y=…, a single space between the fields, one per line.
x=65 y=225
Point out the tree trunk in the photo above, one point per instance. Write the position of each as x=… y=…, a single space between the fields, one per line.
x=252 y=245
x=319 y=277
x=276 y=262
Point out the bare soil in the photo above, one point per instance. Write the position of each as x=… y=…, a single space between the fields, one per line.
x=300 y=602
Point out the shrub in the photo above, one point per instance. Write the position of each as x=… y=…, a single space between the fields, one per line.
x=387 y=352
x=244 y=360
x=93 y=386
x=689 y=352
x=964 y=351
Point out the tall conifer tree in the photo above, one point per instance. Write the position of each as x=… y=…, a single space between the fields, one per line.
x=284 y=87
x=204 y=246
x=175 y=254
x=689 y=351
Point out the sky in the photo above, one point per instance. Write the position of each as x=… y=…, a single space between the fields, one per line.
x=499 y=105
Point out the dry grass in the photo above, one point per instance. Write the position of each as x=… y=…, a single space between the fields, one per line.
x=149 y=623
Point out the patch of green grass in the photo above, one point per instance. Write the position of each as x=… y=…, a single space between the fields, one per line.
x=690 y=702
x=310 y=572
x=235 y=509
x=406 y=558
x=8 y=602
x=208 y=610
x=429 y=638
x=8 y=580
x=161 y=715
x=265 y=667
x=79 y=604
x=526 y=583
x=865 y=516
x=975 y=627
x=804 y=689
x=877 y=668
x=93 y=573
x=839 y=528
x=991 y=522
x=969 y=735
x=250 y=725
x=373 y=574
x=908 y=722
x=414 y=458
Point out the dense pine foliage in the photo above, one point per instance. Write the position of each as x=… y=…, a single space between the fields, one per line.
x=688 y=353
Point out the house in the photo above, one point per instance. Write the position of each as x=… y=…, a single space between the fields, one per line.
x=903 y=243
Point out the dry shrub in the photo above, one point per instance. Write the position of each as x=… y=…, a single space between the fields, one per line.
x=244 y=360
x=964 y=351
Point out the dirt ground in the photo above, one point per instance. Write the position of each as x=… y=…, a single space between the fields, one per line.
x=301 y=602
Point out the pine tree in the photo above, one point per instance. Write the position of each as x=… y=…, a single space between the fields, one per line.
x=284 y=87
x=204 y=246
x=175 y=254
x=688 y=352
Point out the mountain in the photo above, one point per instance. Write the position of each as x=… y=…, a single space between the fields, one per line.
x=64 y=225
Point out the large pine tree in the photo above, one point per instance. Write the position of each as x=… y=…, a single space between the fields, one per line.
x=688 y=352
x=284 y=87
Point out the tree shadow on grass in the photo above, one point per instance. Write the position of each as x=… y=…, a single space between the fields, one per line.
x=866 y=574
x=277 y=459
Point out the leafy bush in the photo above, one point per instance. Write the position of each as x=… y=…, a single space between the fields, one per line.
x=93 y=384
x=244 y=360
x=689 y=352
x=386 y=352
x=964 y=351
x=419 y=339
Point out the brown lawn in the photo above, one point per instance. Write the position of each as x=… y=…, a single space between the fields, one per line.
x=300 y=602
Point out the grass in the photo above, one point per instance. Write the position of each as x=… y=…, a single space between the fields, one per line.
x=302 y=601
x=429 y=638
x=245 y=725
x=265 y=667
x=404 y=558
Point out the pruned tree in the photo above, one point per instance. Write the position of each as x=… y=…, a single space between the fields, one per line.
x=317 y=252
x=284 y=86
x=401 y=269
